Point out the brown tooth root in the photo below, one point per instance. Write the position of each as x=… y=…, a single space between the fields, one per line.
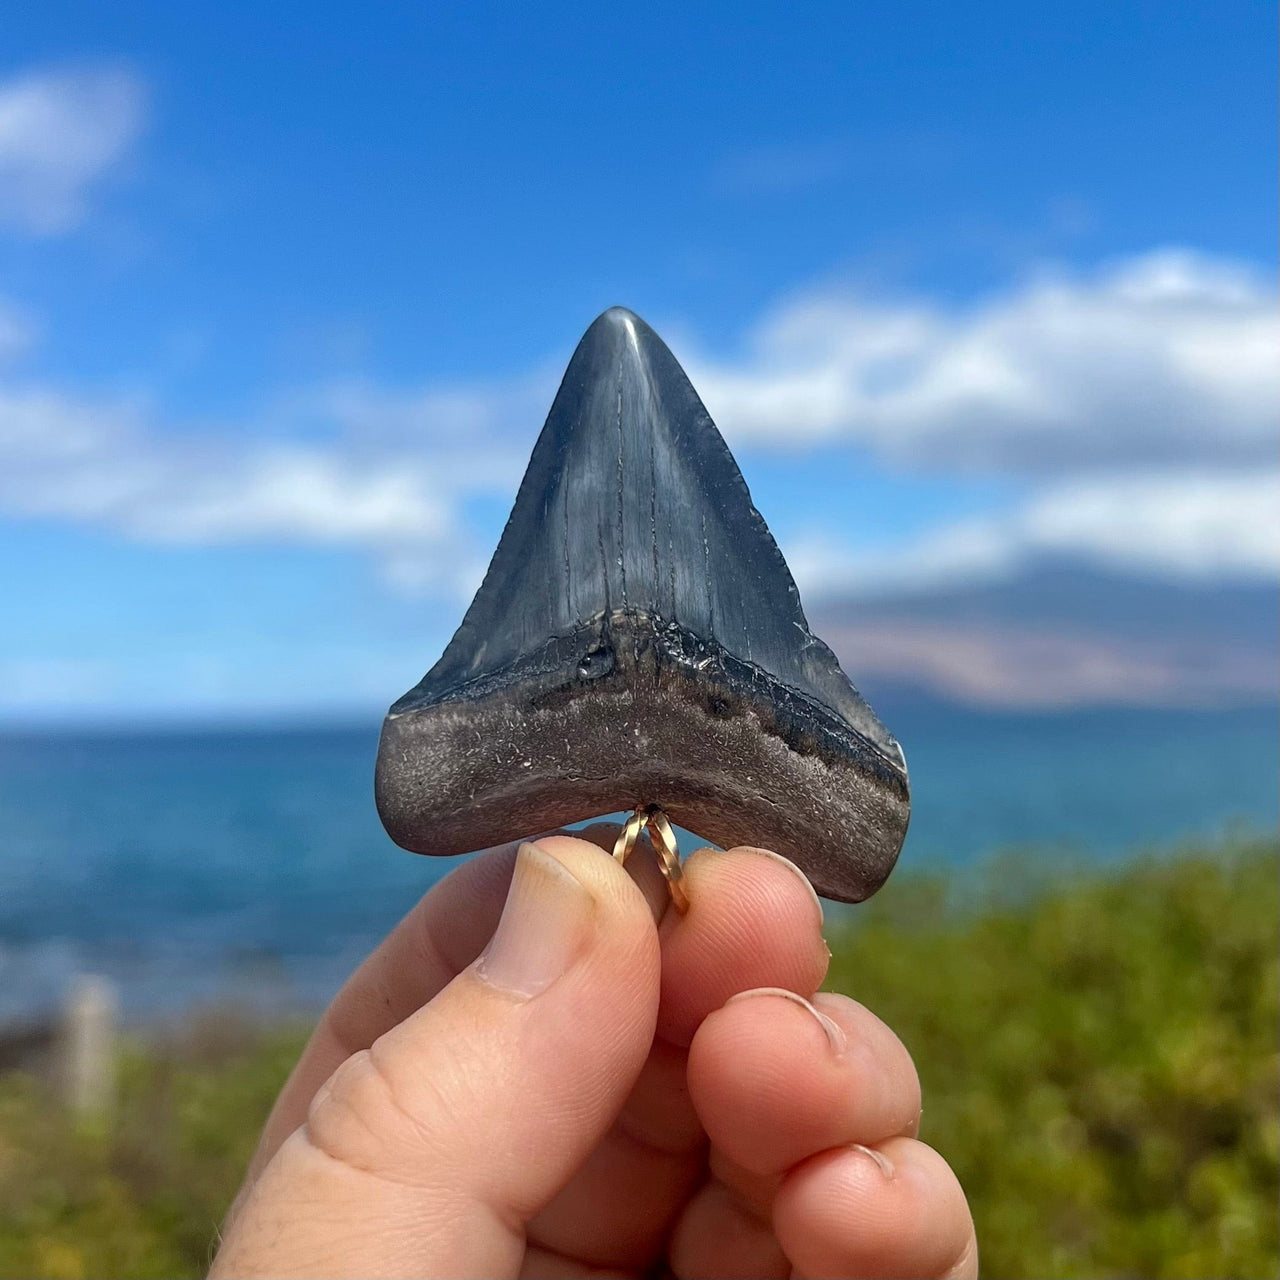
x=639 y=640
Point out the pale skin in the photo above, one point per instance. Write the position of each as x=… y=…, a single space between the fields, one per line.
x=581 y=1091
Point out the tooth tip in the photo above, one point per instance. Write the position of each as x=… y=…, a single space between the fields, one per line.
x=617 y=318
x=617 y=336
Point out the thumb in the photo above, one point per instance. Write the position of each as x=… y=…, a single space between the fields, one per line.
x=428 y=1153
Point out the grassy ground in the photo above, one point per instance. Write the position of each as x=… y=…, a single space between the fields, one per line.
x=1099 y=1055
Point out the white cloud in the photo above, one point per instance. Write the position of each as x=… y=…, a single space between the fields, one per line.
x=294 y=494
x=1164 y=359
x=109 y=466
x=1203 y=524
x=1190 y=524
x=61 y=131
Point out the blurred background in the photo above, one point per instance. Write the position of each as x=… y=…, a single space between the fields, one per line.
x=983 y=299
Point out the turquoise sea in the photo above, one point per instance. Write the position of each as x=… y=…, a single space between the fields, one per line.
x=194 y=866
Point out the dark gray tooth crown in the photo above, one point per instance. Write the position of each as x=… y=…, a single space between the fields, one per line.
x=638 y=639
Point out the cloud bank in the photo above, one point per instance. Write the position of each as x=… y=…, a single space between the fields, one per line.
x=115 y=467
x=1163 y=359
x=1194 y=525
x=61 y=132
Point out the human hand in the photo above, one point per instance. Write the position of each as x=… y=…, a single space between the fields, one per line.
x=581 y=1093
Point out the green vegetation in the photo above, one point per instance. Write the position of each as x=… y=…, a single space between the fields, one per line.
x=142 y=1195
x=1099 y=1055
x=1100 y=1059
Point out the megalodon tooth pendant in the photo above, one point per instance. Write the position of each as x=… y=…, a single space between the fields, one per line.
x=639 y=641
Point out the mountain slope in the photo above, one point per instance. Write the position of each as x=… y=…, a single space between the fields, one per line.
x=1060 y=635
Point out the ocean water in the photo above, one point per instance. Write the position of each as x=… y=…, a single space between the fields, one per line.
x=250 y=866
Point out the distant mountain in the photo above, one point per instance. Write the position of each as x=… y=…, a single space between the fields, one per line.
x=1062 y=635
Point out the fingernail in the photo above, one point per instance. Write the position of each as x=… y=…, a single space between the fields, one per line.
x=800 y=875
x=886 y=1165
x=835 y=1037
x=544 y=925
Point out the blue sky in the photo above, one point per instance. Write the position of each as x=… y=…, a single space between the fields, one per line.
x=285 y=292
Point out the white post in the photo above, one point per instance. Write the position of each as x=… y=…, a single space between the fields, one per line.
x=90 y=1045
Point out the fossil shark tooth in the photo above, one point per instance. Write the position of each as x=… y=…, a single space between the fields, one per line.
x=638 y=639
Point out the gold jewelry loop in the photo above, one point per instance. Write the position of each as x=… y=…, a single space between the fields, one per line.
x=668 y=851
x=628 y=836
x=663 y=840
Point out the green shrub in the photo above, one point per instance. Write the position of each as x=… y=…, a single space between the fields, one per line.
x=143 y=1194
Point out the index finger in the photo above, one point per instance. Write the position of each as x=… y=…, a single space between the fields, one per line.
x=754 y=920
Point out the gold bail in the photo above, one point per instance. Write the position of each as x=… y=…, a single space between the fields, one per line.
x=663 y=839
